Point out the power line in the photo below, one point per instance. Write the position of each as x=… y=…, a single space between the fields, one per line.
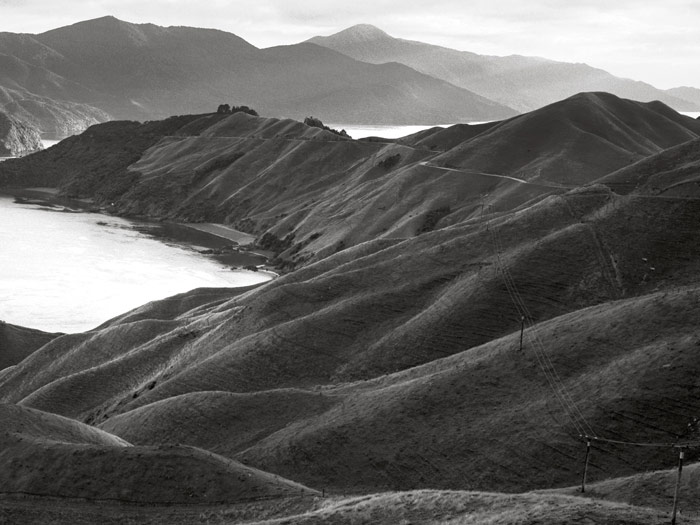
x=554 y=380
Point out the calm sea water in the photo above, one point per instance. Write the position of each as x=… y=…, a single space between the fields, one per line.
x=387 y=132
x=69 y=272
x=395 y=132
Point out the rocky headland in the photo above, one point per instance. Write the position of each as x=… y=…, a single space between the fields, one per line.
x=17 y=138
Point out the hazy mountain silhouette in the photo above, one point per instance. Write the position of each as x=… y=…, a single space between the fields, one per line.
x=690 y=94
x=520 y=82
x=143 y=71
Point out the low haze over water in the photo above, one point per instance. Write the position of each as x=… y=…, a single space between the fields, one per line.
x=65 y=272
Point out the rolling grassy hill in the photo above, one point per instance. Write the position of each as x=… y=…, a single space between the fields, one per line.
x=46 y=455
x=574 y=141
x=383 y=349
x=307 y=193
x=392 y=362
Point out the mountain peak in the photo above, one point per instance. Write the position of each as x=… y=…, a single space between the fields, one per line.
x=364 y=32
x=356 y=34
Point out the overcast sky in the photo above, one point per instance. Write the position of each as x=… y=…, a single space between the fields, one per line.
x=655 y=41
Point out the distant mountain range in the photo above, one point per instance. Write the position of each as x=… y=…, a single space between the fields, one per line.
x=143 y=71
x=69 y=78
x=520 y=82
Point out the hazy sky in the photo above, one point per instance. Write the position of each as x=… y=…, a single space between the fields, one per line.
x=655 y=41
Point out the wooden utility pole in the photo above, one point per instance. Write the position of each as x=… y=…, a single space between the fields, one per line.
x=522 y=331
x=678 y=484
x=585 y=466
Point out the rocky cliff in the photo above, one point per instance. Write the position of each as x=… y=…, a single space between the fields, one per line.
x=17 y=138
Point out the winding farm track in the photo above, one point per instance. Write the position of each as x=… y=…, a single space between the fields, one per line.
x=508 y=177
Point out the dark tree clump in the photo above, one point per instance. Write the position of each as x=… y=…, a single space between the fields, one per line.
x=226 y=109
x=316 y=123
x=389 y=162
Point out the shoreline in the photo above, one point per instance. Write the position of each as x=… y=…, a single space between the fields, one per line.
x=227 y=246
x=225 y=232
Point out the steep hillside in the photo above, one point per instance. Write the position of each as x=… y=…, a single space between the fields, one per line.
x=672 y=172
x=145 y=72
x=93 y=163
x=573 y=141
x=523 y=83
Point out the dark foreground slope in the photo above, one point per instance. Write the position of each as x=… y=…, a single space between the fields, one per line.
x=50 y=456
x=395 y=365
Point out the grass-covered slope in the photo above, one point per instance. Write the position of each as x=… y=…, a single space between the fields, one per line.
x=47 y=455
x=396 y=364
x=428 y=507
x=572 y=141
x=672 y=172
x=307 y=193
x=649 y=489
x=392 y=361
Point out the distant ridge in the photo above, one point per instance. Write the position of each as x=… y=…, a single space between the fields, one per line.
x=690 y=94
x=520 y=82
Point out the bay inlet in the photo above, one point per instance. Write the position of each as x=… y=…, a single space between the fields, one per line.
x=64 y=271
